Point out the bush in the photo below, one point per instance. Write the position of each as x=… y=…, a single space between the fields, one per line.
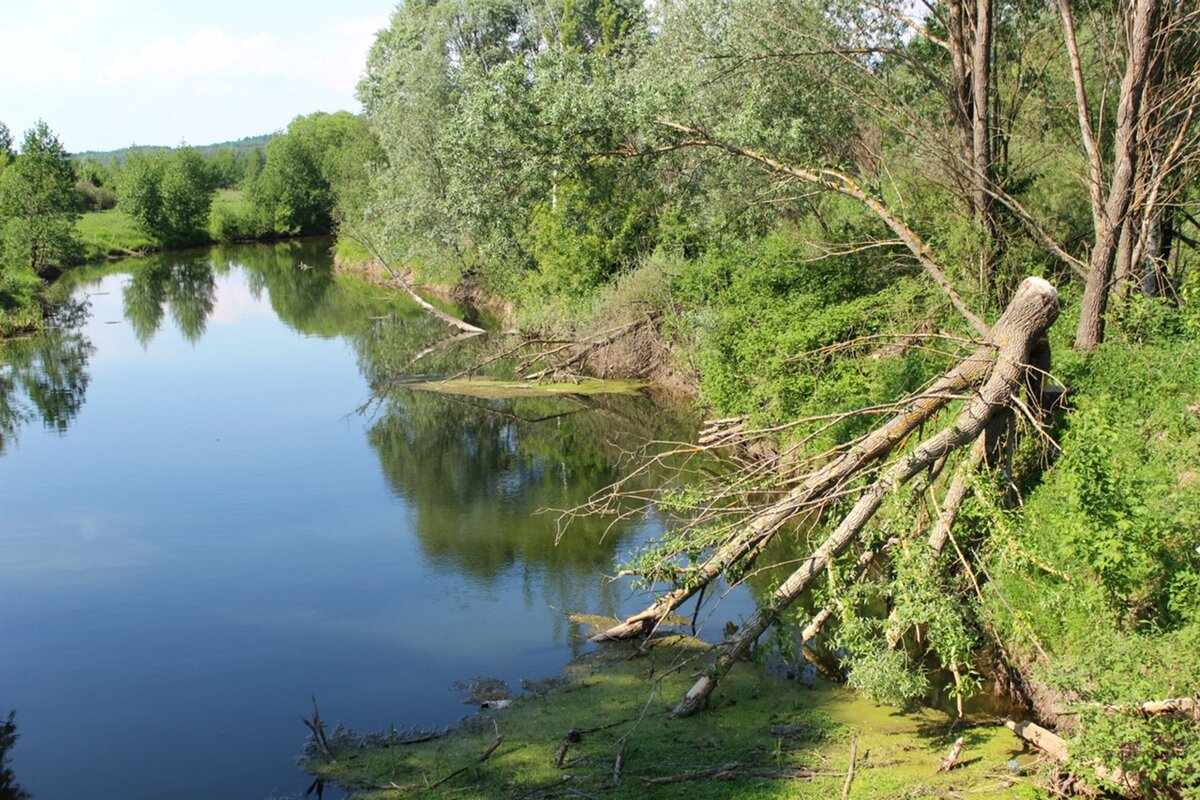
x=95 y=198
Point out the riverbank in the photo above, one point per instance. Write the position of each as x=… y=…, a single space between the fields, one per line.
x=604 y=730
x=113 y=233
x=623 y=327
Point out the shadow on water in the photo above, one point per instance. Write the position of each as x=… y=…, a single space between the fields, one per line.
x=9 y=788
x=44 y=378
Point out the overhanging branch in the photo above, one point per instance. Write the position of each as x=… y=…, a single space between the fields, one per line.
x=836 y=181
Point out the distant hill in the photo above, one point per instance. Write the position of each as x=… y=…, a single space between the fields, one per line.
x=246 y=144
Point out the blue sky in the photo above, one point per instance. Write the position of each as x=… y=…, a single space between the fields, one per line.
x=108 y=73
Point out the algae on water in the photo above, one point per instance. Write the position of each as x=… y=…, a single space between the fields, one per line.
x=765 y=738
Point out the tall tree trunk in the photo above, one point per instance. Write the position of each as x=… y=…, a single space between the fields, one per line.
x=960 y=102
x=1140 y=31
x=981 y=128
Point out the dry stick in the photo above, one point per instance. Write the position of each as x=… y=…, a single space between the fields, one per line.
x=486 y=755
x=619 y=761
x=952 y=757
x=317 y=726
x=1029 y=315
x=411 y=292
x=717 y=773
x=850 y=771
x=841 y=183
x=818 y=484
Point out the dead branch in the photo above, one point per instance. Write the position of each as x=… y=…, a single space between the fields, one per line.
x=850 y=770
x=1029 y=315
x=317 y=726
x=1033 y=300
x=1053 y=746
x=484 y=757
x=952 y=756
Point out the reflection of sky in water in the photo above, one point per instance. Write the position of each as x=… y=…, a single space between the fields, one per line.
x=213 y=541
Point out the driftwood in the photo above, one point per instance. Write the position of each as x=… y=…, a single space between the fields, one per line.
x=1030 y=313
x=952 y=757
x=1053 y=745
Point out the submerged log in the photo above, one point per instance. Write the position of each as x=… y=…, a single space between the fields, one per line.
x=1032 y=310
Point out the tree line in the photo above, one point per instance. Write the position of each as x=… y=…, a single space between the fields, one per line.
x=289 y=187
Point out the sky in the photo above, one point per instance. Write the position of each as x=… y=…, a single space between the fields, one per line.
x=105 y=74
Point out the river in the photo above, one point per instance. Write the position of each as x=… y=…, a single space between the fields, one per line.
x=206 y=518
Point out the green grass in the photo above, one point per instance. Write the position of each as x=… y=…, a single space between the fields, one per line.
x=350 y=251
x=897 y=752
x=111 y=233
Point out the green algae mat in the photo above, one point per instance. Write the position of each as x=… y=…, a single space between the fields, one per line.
x=762 y=737
x=496 y=389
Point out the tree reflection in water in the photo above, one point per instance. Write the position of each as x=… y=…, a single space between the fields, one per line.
x=45 y=378
x=9 y=788
x=186 y=285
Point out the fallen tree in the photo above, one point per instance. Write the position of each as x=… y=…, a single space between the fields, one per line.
x=1023 y=324
x=1032 y=310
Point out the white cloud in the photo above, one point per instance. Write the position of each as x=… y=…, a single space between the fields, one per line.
x=206 y=53
x=108 y=73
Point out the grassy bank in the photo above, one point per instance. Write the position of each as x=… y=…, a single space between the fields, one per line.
x=113 y=234
x=767 y=738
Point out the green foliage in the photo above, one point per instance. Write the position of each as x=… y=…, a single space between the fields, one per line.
x=37 y=209
x=1102 y=564
x=168 y=195
x=317 y=160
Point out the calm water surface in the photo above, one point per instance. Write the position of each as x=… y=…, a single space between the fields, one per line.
x=199 y=530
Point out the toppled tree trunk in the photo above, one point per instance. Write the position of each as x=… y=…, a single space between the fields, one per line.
x=815 y=489
x=1030 y=313
x=407 y=288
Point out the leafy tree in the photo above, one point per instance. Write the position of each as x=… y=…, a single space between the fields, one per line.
x=319 y=158
x=38 y=208
x=168 y=194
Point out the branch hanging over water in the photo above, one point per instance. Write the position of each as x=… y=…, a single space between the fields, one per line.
x=400 y=281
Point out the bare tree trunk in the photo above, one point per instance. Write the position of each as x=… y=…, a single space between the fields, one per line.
x=1032 y=310
x=961 y=98
x=1141 y=29
x=1086 y=133
x=981 y=127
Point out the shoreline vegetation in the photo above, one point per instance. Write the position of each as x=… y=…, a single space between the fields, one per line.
x=941 y=305
x=601 y=729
